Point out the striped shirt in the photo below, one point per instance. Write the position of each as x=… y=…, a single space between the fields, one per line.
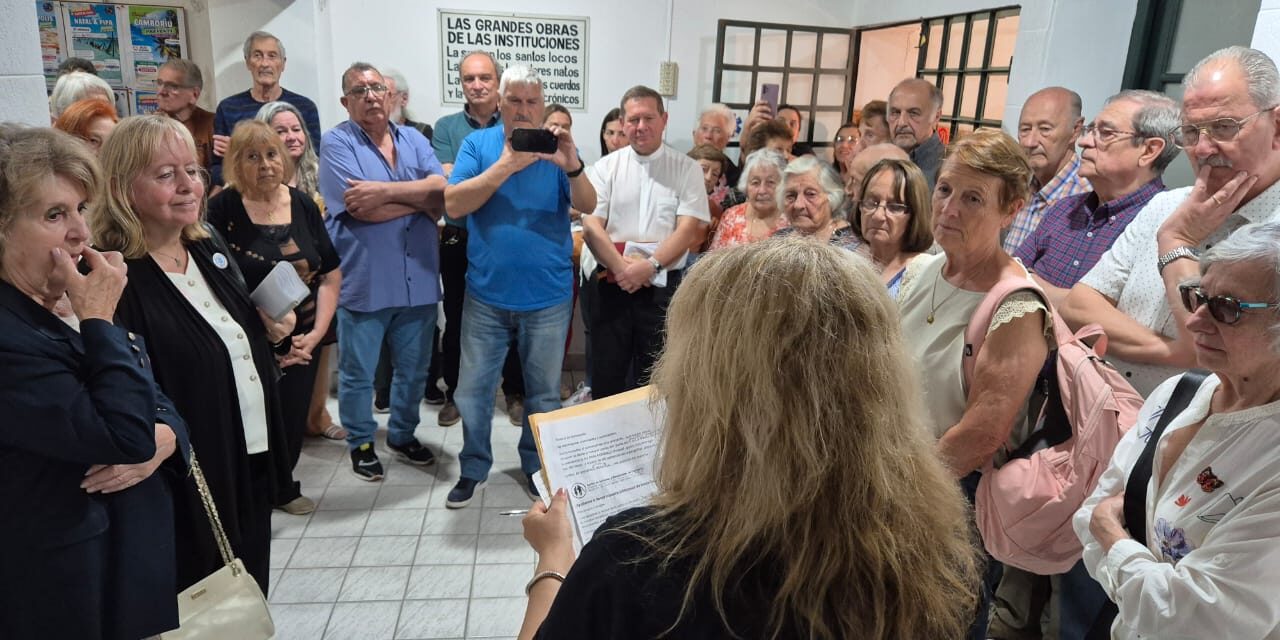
x=1067 y=182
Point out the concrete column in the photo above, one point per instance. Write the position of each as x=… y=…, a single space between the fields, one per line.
x=22 y=91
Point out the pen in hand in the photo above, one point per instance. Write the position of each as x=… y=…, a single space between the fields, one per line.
x=516 y=512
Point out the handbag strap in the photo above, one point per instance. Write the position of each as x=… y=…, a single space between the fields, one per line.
x=1135 y=488
x=211 y=510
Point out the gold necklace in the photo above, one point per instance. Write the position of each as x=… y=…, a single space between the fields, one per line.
x=933 y=292
x=177 y=262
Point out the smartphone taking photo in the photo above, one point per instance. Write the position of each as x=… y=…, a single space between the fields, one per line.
x=534 y=140
x=769 y=93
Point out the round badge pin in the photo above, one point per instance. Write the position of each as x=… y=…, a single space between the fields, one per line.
x=219 y=261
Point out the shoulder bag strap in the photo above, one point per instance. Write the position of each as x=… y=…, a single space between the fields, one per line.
x=1135 y=489
x=211 y=510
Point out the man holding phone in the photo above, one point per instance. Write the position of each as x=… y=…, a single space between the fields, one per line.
x=514 y=185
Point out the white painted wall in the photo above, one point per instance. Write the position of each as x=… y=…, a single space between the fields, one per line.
x=1079 y=44
x=22 y=92
x=1266 y=33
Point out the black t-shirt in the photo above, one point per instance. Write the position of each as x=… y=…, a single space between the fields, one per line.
x=616 y=590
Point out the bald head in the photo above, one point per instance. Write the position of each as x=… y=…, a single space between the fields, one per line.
x=915 y=106
x=863 y=162
x=1048 y=128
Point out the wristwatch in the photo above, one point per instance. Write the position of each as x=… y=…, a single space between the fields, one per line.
x=657 y=266
x=1175 y=254
x=582 y=166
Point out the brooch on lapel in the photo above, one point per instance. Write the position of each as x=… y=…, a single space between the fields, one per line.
x=1208 y=481
x=219 y=261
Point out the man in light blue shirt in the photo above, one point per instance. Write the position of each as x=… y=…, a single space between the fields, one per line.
x=519 y=273
x=383 y=188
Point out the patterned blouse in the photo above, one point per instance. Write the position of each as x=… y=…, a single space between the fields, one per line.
x=734 y=228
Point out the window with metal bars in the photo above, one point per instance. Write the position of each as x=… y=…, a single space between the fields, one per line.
x=968 y=56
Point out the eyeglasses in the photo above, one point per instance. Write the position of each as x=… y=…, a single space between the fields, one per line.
x=171 y=86
x=1105 y=135
x=869 y=207
x=361 y=89
x=1219 y=130
x=849 y=139
x=1224 y=309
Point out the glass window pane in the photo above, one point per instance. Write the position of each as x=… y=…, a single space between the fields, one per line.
x=739 y=44
x=955 y=43
x=804 y=49
x=927 y=77
x=773 y=48
x=997 y=93
x=935 y=45
x=835 y=50
x=977 y=43
x=1006 y=34
x=969 y=96
x=960 y=130
x=948 y=95
x=799 y=89
x=825 y=125
x=830 y=90
x=885 y=56
x=735 y=86
x=1204 y=27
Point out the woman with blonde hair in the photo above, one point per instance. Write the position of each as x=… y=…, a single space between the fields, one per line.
x=208 y=345
x=783 y=510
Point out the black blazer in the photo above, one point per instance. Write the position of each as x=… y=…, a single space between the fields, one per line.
x=70 y=400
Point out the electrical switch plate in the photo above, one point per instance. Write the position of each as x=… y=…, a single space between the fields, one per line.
x=667 y=73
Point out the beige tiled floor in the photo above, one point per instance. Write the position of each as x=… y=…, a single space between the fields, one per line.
x=385 y=560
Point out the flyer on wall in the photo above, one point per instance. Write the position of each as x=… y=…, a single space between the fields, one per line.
x=155 y=35
x=95 y=36
x=48 y=20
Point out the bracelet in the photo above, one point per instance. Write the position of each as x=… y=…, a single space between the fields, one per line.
x=545 y=574
x=282 y=348
x=582 y=166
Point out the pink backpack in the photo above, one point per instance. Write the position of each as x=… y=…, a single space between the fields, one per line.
x=1024 y=507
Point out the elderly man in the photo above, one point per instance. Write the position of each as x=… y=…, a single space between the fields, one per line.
x=915 y=106
x=650 y=199
x=398 y=103
x=716 y=125
x=1229 y=131
x=179 y=84
x=479 y=74
x=519 y=271
x=264 y=57
x=1048 y=128
x=1123 y=153
x=383 y=187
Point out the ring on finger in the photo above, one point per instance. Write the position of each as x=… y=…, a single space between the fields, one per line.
x=1216 y=199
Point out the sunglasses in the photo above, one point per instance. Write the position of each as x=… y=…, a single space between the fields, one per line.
x=1224 y=309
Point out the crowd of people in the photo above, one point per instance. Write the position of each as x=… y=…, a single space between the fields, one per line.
x=817 y=482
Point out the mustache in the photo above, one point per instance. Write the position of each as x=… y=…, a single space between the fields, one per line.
x=1216 y=160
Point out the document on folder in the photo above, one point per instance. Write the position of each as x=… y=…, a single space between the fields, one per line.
x=602 y=453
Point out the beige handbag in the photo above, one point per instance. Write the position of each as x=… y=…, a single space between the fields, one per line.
x=227 y=603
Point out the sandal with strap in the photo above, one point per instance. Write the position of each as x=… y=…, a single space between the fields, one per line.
x=333 y=432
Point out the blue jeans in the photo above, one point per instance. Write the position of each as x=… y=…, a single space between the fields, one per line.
x=486 y=332
x=408 y=332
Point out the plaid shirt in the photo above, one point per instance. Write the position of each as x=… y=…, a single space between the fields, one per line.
x=1067 y=182
x=1076 y=232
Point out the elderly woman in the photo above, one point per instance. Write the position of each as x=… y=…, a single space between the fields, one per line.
x=86 y=534
x=811 y=197
x=1212 y=512
x=287 y=122
x=844 y=147
x=760 y=216
x=76 y=86
x=748 y=535
x=210 y=348
x=266 y=222
x=982 y=184
x=91 y=120
x=894 y=218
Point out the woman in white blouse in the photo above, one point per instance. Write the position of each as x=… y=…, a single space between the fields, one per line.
x=1212 y=559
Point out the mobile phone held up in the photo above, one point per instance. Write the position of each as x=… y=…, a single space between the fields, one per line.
x=769 y=93
x=535 y=140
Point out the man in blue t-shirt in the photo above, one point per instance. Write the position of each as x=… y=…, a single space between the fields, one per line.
x=519 y=273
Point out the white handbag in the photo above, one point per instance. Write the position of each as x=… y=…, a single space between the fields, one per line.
x=227 y=603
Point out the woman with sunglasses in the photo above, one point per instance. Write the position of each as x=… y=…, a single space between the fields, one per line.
x=894 y=217
x=1212 y=513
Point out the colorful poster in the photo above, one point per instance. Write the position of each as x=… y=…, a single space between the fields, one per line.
x=48 y=17
x=95 y=36
x=144 y=102
x=154 y=36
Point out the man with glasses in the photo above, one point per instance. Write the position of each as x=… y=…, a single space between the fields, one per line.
x=264 y=57
x=384 y=190
x=1229 y=130
x=915 y=107
x=1048 y=128
x=178 y=86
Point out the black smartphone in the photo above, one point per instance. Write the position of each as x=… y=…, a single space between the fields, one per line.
x=770 y=93
x=535 y=140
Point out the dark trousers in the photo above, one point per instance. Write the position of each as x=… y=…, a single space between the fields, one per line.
x=296 y=386
x=990 y=577
x=453 y=275
x=627 y=334
x=587 y=307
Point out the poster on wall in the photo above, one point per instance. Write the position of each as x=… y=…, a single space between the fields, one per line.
x=555 y=46
x=52 y=47
x=155 y=35
x=144 y=102
x=94 y=35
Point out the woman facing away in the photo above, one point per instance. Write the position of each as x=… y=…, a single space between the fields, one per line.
x=784 y=509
